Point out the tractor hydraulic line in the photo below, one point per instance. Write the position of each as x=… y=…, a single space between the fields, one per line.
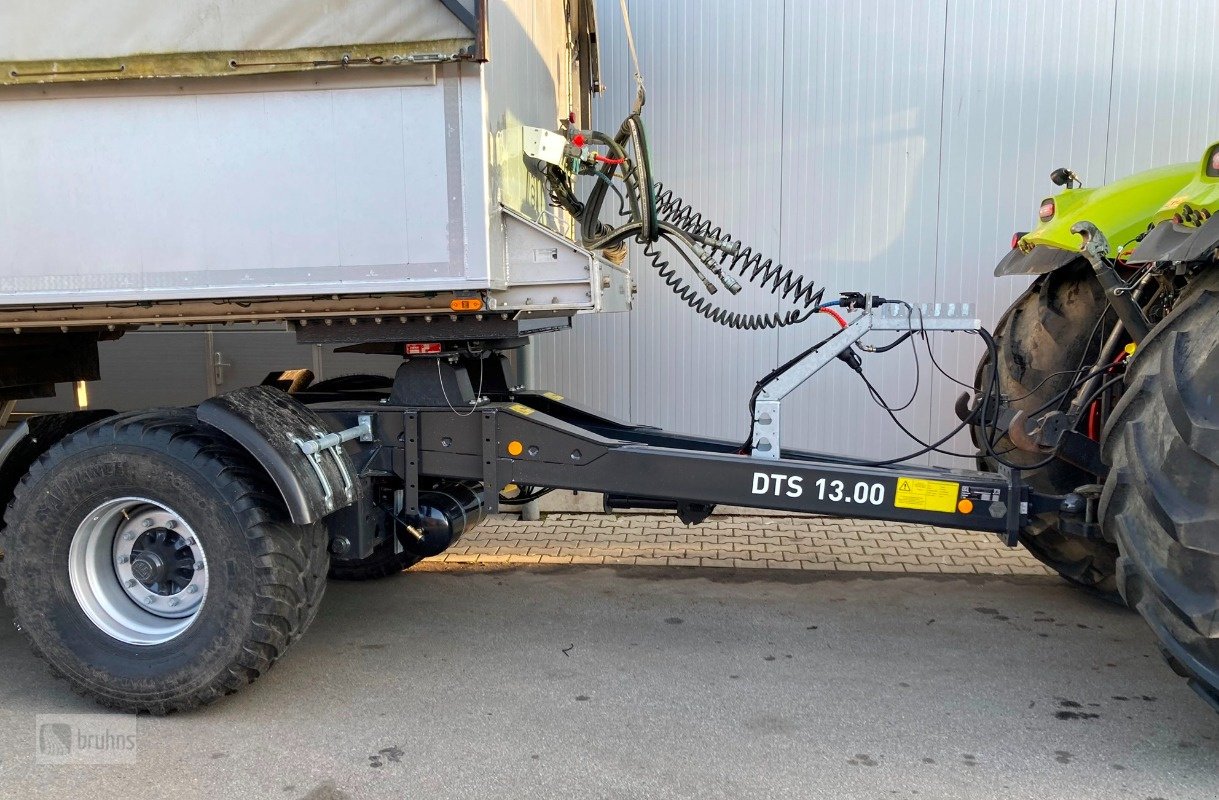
x=1095 y=248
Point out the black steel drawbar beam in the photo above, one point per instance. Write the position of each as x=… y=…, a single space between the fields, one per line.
x=542 y=440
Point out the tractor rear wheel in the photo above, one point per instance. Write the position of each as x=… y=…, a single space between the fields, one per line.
x=1052 y=330
x=1160 y=500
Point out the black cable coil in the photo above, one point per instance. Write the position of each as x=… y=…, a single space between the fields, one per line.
x=733 y=257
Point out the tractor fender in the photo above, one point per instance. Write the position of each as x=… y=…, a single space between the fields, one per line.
x=33 y=437
x=270 y=425
x=1038 y=261
x=1171 y=242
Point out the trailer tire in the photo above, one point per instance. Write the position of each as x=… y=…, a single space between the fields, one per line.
x=1046 y=330
x=193 y=510
x=1162 y=445
x=381 y=564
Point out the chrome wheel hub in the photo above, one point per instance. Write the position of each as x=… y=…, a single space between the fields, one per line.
x=138 y=571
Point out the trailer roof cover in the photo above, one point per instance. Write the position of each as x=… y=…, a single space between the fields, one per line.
x=45 y=41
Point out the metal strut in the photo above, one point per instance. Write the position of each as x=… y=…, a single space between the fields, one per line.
x=886 y=317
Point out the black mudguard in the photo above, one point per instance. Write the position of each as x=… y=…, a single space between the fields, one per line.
x=1038 y=261
x=268 y=424
x=1171 y=242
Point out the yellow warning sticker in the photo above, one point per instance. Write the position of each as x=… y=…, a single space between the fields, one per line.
x=520 y=409
x=553 y=396
x=926 y=495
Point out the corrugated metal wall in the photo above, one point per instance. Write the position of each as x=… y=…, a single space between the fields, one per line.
x=890 y=146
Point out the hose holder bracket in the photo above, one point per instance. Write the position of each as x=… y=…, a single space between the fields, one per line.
x=887 y=317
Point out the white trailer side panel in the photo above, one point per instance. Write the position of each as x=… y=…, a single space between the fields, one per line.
x=338 y=182
x=244 y=187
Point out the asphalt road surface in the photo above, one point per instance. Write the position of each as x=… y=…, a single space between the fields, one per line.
x=654 y=683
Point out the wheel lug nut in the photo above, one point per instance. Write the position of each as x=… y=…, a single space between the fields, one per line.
x=192 y=589
x=130 y=583
x=128 y=536
x=150 y=599
x=123 y=559
x=198 y=565
x=173 y=603
x=171 y=523
x=147 y=523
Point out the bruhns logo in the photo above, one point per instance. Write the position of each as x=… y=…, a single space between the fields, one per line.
x=85 y=739
x=55 y=739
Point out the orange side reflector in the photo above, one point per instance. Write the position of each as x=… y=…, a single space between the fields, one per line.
x=965 y=506
x=466 y=304
x=515 y=448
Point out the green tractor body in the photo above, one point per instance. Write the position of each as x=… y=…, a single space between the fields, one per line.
x=1122 y=211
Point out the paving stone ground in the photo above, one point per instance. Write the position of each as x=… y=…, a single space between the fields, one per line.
x=764 y=542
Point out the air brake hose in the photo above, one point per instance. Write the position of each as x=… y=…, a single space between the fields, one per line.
x=657 y=213
x=731 y=257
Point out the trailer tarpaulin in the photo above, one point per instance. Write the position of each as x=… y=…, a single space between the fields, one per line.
x=58 y=40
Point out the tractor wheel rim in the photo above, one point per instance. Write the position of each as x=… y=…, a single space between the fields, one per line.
x=138 y=571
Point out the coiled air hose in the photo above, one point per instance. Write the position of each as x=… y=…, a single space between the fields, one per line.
x=656 y=214
x=730 y=257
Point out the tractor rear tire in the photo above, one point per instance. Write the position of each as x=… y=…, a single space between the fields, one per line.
x=1052 y=328
x=152 y=564
x=1161 y=500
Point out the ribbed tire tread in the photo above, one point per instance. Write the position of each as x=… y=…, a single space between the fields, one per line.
x=284 y=565
x=1161 y=501
x=1048 y=329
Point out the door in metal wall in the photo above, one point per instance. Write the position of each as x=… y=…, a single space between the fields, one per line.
x=243 y=355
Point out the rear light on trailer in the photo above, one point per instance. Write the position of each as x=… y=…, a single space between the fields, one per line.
x=422 y=348
x=1212 y=163
x=1046 y=212
x=1016 y=237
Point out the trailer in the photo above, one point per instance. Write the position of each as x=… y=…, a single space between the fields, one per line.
x=281 y=161
x=420 y=179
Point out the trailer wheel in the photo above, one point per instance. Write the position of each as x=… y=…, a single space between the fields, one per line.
x=153 y=565
x=381 y=564
x=1162 y=444
x=1048 y=330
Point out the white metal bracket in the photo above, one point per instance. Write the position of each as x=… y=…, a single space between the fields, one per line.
x=893 y=317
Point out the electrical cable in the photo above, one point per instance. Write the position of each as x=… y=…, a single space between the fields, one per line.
x=991 y=394
x=936 y=364
x=880 y=401
x=478 y=396
x=527 y=495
